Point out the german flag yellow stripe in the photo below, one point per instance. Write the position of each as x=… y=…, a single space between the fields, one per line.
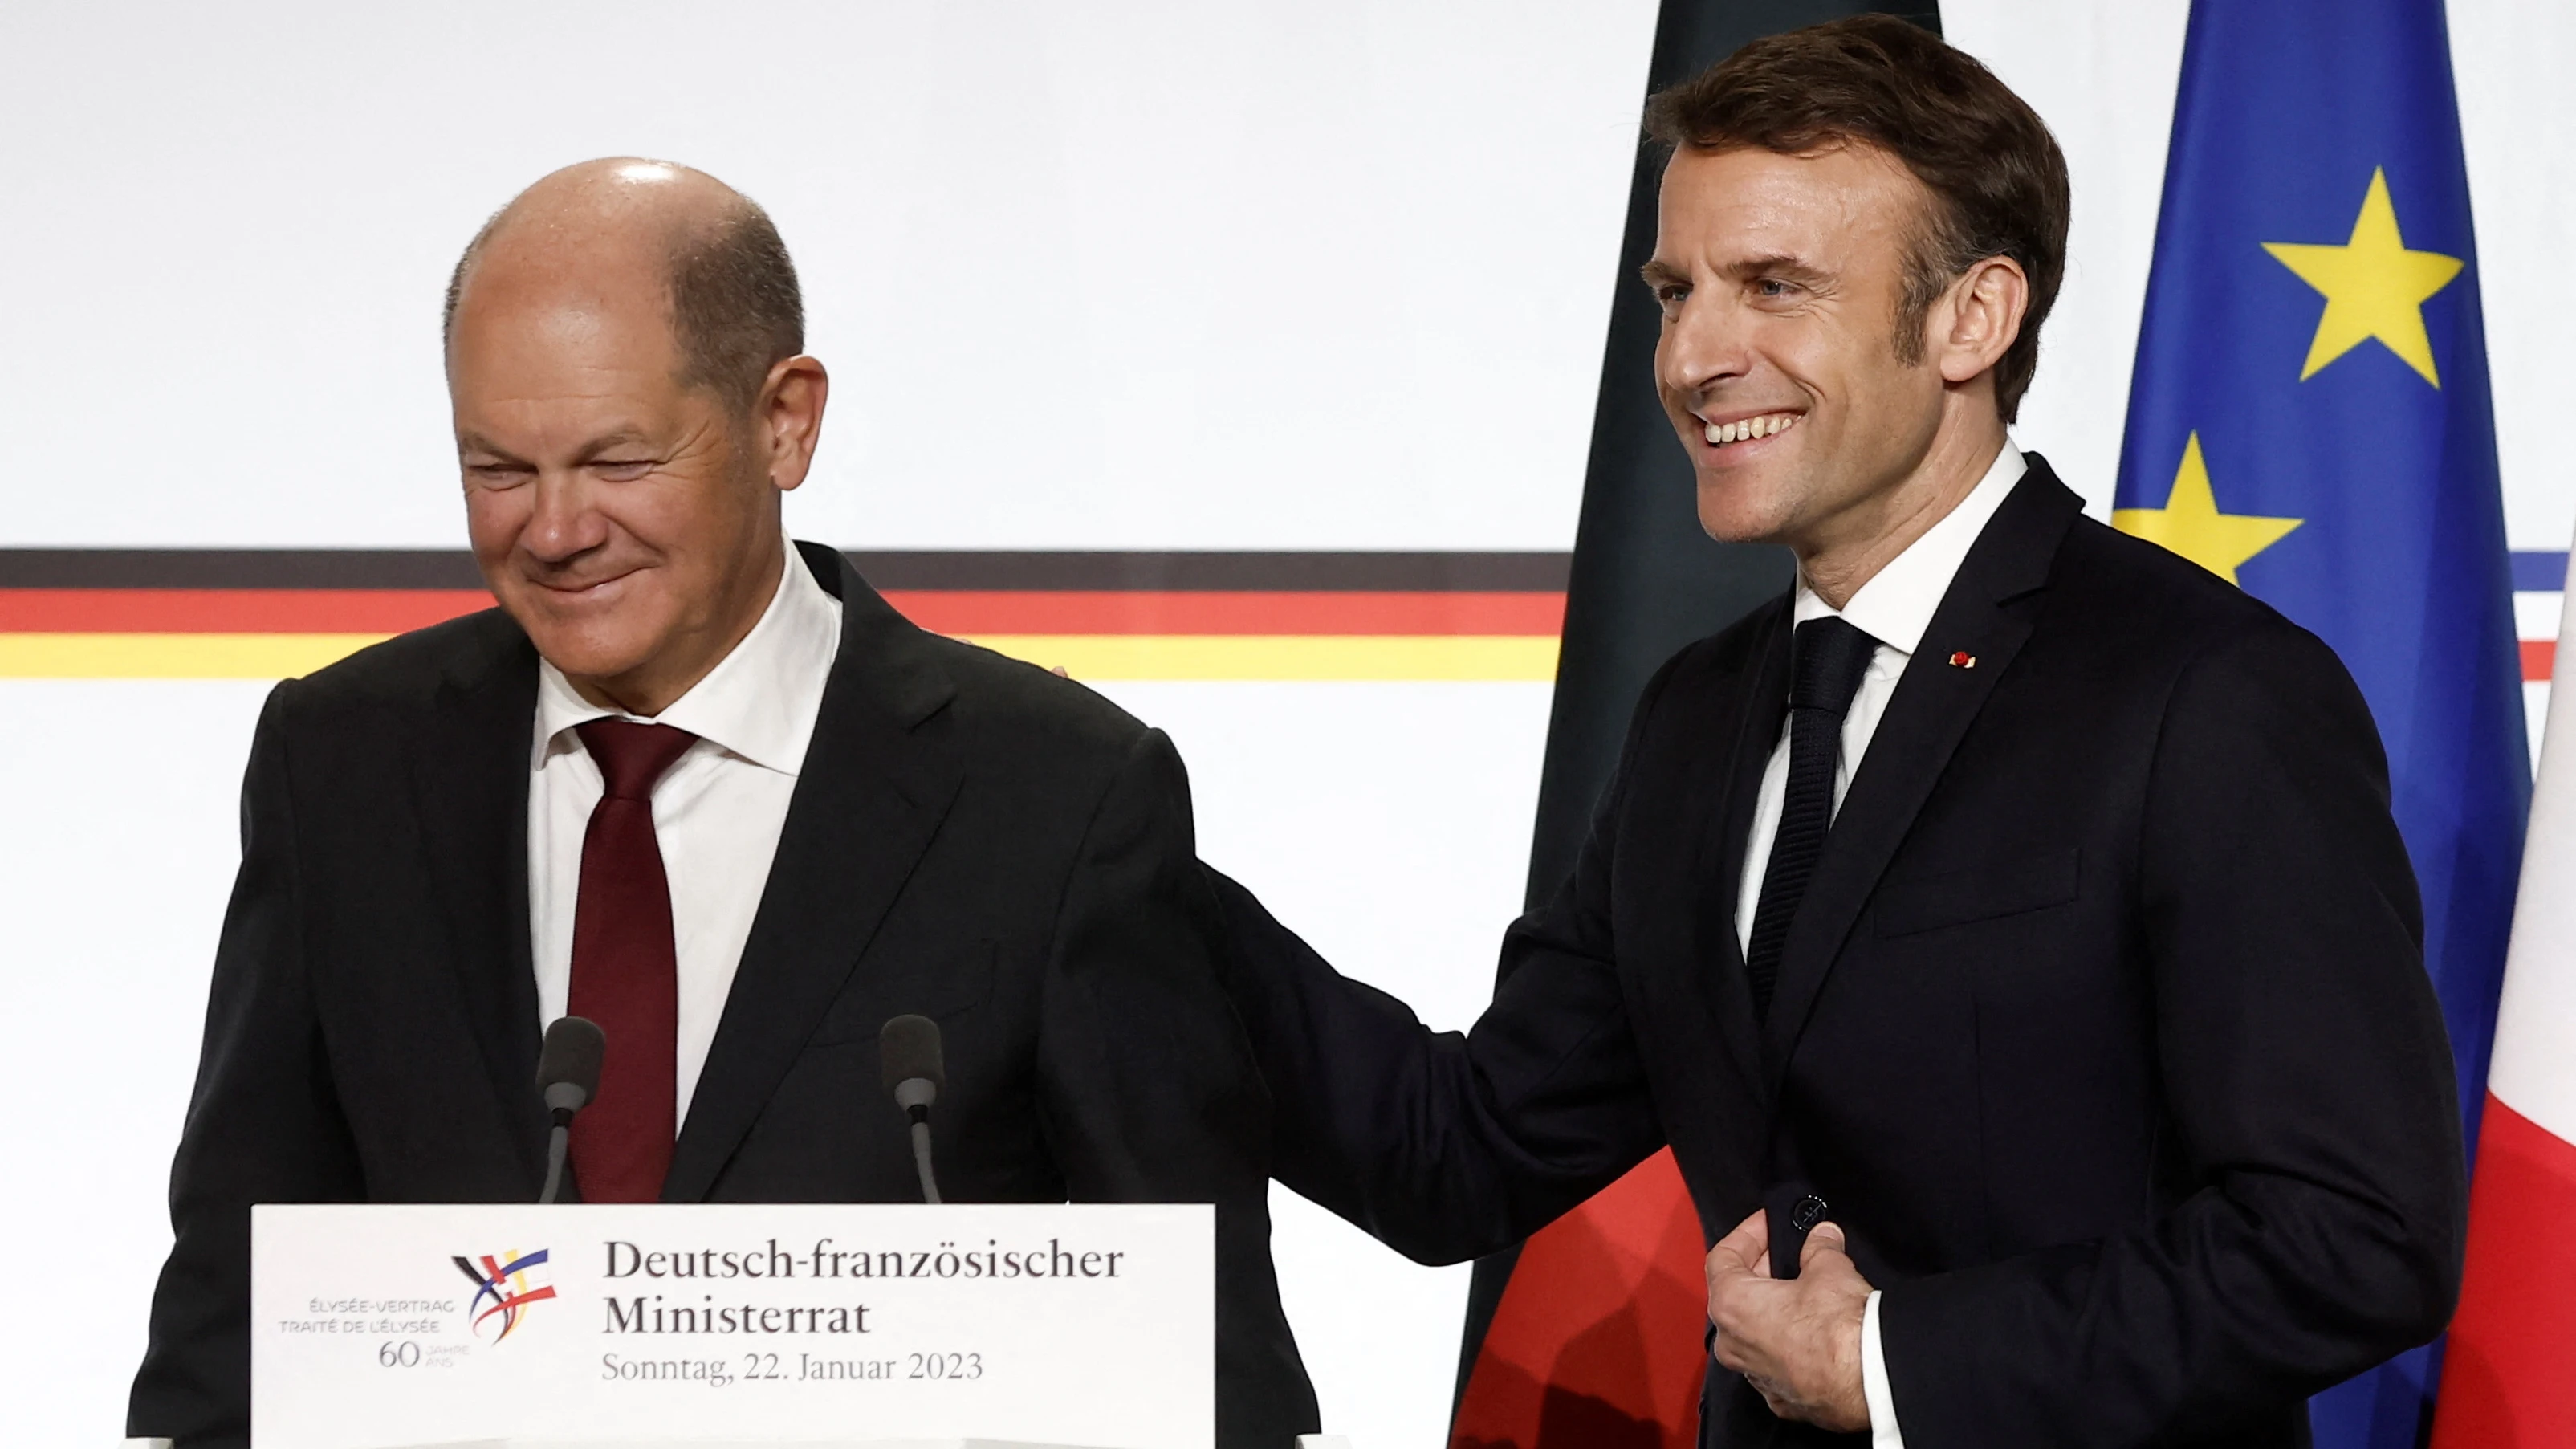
x=1084 y=656
x=173 y=656
x=1285 y=656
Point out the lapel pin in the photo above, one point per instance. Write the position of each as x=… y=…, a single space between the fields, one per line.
x=1963 y=660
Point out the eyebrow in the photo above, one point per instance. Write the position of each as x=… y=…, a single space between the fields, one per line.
x=1658 y=273
x=616 y=438
x=477 y=443
x=1776 y=264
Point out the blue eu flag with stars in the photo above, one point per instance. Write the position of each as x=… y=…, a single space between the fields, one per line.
x=2309 y=419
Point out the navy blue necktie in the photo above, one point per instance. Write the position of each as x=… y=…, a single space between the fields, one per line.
x=1827 y=658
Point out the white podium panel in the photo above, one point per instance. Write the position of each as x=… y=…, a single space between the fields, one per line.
x=384 y=1327
x=743 y=1445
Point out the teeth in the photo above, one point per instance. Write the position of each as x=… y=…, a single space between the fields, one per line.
x=1767 y=426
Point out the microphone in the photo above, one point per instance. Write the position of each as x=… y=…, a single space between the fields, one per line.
x=568 y=1076
x=909 y=1048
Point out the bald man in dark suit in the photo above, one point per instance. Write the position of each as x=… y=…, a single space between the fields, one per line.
x=709 y=790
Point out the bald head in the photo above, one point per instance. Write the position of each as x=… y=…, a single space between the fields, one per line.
x=631 y=396
x=600 y=232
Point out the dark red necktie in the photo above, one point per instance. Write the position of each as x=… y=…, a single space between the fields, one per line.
x=625 y=969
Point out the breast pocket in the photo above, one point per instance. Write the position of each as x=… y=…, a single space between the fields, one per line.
x=939 y=987
x=1978 y=893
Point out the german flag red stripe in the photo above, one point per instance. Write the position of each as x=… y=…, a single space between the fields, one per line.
x=232 y=611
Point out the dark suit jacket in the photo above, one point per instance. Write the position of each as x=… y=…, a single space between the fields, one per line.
x=970 y=838
x=2103 y=1027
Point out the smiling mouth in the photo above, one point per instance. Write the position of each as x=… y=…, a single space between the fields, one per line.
x=575 y=589
x=1746 y=430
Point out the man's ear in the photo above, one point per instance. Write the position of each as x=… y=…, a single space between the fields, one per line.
x=1980 y=318
x=789 y=415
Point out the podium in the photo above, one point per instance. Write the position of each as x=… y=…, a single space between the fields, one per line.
x=724 y=1326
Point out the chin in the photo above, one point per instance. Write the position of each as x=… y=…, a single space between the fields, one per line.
x=586 y=658
x=589 y=648
x=1732 y=512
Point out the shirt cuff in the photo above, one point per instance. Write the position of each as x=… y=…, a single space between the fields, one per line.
x=1874 y=1388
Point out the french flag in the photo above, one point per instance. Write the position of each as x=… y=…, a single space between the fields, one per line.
x=2507 y=1377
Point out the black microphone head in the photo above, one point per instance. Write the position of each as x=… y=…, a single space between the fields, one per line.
x=568 y=1064
x=909 y=1048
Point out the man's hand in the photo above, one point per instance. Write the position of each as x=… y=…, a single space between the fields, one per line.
x=1798 y=1342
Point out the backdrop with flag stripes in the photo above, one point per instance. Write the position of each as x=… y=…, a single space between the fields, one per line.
x=1126 y=304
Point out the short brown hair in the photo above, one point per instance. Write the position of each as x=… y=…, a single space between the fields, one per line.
x=1997 y=179
x=736 y=306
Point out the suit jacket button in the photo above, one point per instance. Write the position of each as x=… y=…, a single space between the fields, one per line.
x=1810 y=1211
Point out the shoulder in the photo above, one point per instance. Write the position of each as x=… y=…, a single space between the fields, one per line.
x=2140 y=601
x=408 y=672
x=1007 y=704
x=1043 y=758
x=2101 y=569
x=998 y=709
x=1716 y=664
x=2204 y=670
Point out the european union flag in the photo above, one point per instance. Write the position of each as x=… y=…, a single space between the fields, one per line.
x=2309 y=418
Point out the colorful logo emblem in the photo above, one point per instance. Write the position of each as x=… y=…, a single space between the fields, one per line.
x=502 y=1279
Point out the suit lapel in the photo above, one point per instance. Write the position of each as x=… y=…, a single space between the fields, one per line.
x=470 y=790
x=877 y=779
x=1930 y=712
x=1759 y=709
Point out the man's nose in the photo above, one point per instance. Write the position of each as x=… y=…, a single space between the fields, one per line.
x=1707 y=344
x=563 y=521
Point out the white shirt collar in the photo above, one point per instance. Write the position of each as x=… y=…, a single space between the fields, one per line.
x=1898 y=602
x=758 y=703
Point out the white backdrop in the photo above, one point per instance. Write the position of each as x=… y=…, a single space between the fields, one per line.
x=1151 y=274
x=1196 y=274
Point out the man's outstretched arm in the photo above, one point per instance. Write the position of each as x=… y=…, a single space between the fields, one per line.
x=1443 y=1146
x=1447 y=1146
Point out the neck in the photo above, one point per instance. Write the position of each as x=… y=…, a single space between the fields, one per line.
x=658 y=683
x=1889 y=521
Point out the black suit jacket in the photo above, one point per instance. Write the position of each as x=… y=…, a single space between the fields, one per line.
x=970 y=838
x=2103 y=1027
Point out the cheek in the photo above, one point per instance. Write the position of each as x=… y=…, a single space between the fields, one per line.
x=494 y=517
x=672 y=513
x=1812 y=351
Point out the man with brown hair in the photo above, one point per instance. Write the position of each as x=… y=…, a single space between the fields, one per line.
x=2006 y=928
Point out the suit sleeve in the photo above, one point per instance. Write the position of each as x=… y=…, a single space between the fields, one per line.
x=264 y=1125
x=2309 y=1087
x=1147 y=1087
x=1447 y=1146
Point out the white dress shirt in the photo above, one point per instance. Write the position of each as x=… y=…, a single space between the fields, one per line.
x=1894 y=608
x=717 y=811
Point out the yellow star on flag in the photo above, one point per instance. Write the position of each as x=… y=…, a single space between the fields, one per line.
x=2191 y=525
x=2374 y=286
